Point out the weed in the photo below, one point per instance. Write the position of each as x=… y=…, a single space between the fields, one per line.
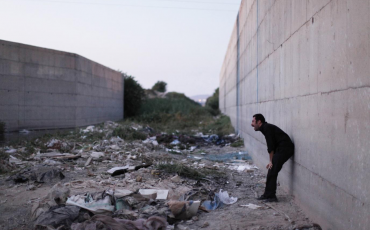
x=238 y=143
x=188 y=172
x=128 y=133
x=221 y=126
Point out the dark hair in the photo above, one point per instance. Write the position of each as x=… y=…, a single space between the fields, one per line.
x=259 y=117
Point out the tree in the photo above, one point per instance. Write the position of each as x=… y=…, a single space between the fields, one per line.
x=160 y=86
x=212 y=103
x=133 y=96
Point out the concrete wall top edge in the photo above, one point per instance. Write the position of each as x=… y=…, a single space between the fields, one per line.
x=53 y=51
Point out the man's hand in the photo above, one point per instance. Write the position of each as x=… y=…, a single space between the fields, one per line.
x=269 y=166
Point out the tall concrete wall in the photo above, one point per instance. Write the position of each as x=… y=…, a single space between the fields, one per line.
x=45 y=89
x=305 y=65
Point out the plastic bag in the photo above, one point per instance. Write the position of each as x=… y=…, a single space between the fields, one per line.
x=224 y=197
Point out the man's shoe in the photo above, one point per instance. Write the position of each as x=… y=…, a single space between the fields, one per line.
x=272 y=199
x=262 y=197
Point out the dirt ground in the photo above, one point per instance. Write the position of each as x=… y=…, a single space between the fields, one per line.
x=17 y=199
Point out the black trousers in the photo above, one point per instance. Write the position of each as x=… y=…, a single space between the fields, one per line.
x=280 y=157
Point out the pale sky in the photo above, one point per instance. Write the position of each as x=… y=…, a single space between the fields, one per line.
x=181 y=42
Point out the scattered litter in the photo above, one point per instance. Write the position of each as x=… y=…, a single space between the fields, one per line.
x=107 y=222
x=97 y=155
x=54 y=144
x=57 y=155
x=24 y=131
x=59 y=193
x=94 y=202
x=224 y=197
x=251 y=206
x=14 y=160
x=176 y=179
x=58 y=217
x=228 y=157
x=88 y=129
x=120 y=170
x=212 y=205
x=51 y=162
x=174 y=151
x=242 y=167
x=156 y=193
x=39 y=174
x=175 y=142
x=184 y=210
x=11 y=151
x=88 y=161
x=119 y=193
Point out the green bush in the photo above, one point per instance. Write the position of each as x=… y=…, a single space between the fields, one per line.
x=212 y=103
x=133 y=96
x=128 y=133
x=238 y=143
x=160 y=86
x=221 y=126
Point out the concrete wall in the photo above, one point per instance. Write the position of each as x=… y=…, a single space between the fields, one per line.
x=45 y=89
x=305 y=65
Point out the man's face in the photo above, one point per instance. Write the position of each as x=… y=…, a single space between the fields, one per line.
x=256 y=125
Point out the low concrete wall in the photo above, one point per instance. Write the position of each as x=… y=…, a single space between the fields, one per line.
x=305 y=65
x=46 y=89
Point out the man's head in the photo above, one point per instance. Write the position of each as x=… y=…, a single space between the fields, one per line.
x=258 y=120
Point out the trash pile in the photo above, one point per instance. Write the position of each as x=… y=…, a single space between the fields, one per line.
x=112 y=176
x=120 y=183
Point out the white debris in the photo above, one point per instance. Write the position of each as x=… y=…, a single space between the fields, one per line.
x=116 y=140
x=115 y=147
x=97 y=155
x=88 y=129
x=192 y=148
x=51 y=162
x=14 y=160
x=251 y=206
x=24 y=131
x=52 y=143
x=11 y=151
x=225 y=198
x=161 y=194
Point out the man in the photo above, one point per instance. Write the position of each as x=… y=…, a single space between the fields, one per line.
x=280 y=147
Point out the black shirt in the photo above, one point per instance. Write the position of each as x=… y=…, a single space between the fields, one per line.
x=275 y=137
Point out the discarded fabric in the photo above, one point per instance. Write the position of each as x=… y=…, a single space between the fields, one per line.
x=58 y=216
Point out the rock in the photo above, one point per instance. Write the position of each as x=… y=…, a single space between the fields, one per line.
x=31 y=187
x=176 y=179
x=206 y=224
x=181 y=227
x=139 y=179
x=59 y=193
x=195 y=218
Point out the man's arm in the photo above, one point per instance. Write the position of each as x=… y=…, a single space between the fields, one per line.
x=269 y=166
